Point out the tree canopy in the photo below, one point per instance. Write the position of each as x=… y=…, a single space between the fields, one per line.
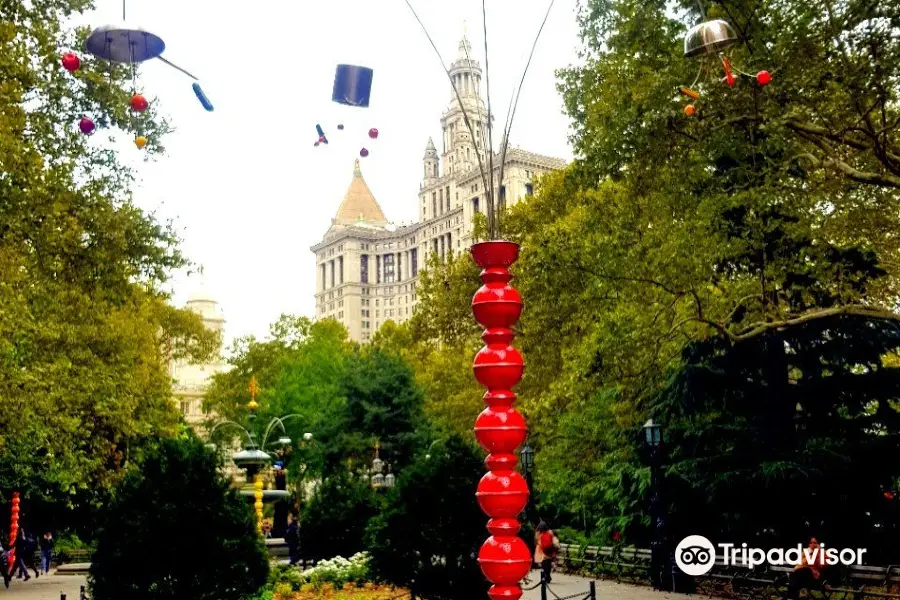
x=768 y=215
x=86 y=332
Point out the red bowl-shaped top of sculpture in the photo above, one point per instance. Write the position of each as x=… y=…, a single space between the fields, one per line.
x=500 y=429
x=498 y=367
x=502 y=495
x=496 y=253
x=505 y=561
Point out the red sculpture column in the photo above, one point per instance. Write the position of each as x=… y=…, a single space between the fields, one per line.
x=500 y=428
x=13 y=531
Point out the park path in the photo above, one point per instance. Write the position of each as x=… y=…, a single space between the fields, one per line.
x=49 y=587
x=46 y=587
x=564 y=586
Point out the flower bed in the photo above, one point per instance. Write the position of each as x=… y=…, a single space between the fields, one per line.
x=335 y=579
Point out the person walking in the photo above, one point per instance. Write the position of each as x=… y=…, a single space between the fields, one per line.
x=546 y=549
x=46 y=551
x=292 y=538
x=25 y=549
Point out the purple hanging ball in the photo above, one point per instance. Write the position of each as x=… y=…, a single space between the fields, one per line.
x=364 y=153
x=86 y=126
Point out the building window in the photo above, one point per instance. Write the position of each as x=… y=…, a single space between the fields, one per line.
x=433 y=204
x=364 y=268
x=474 y=205
x=502 y=193
x=441 y=198
x=324 y=281
x=332 y=272
x=340 y=269
x=388 y=260
x=529 y=189
x=448 y=197
x=377 y=269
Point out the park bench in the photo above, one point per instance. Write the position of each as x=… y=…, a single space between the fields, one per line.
x=735 y=581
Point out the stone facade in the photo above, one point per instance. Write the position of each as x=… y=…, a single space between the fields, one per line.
x=190 y=379
x=366 y=267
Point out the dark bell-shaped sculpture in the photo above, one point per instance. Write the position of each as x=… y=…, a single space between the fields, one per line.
x=708 y=37
x=352 y=85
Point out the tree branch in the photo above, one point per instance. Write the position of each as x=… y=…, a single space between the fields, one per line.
x=850 y=309
x=884 y=180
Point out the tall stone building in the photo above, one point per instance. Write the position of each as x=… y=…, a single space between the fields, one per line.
x=366 y=267
x=192 y=379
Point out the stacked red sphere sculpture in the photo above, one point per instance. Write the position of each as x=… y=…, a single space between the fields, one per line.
x=13 y=531
x=500 y=428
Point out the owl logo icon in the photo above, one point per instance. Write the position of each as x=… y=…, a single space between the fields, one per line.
x=695 y=555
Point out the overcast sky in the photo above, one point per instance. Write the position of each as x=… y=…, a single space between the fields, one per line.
x=244 y=184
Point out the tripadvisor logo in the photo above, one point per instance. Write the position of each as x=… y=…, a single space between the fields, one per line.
x=695 y=555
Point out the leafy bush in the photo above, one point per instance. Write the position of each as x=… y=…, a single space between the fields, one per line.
x=70 y=548
x=432 y=526
x=177 y=531
x=334 y=521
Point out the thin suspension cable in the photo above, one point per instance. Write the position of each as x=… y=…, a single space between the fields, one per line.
x=521 y=84
x=492 y=225
x=489 y=204
x=453 y=85
x=123 y=10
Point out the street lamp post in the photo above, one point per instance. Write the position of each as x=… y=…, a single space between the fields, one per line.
x=661 y=574
x=526 y=457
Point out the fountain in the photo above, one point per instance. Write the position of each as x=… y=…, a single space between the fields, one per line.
x=254 y=460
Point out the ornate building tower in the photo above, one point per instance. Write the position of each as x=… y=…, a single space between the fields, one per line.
x=459 y=154
x=431 y=164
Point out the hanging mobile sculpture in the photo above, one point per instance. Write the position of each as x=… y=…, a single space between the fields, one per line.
x=127 y=44
x=709 y=40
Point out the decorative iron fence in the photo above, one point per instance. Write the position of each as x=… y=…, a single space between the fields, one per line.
x=734 y=581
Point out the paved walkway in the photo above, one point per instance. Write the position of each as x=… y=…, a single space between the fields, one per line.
x=49 y=587
x=46 y=587
x=564 y=586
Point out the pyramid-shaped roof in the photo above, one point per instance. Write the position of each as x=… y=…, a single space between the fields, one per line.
x=359 y=205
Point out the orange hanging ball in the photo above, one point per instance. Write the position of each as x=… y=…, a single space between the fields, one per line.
x=140 y=141
x=139 y=103
x=690 y=110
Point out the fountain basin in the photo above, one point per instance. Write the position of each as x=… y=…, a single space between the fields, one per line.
x=268 y=495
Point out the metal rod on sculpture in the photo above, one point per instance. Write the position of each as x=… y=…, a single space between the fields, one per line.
x=492 y=222
x=462 y=107
x=516 y=103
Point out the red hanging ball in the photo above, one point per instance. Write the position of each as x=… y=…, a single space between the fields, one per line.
x=139 y=103
x=764 y=78
x=373 y=133
x=364 y=153
x=86 y=126
x=71 y=62
x=889 y=495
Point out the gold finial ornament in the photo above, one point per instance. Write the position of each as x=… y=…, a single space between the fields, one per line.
x=254 y=390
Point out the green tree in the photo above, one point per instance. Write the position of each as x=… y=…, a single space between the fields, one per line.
x=85 y=331
x=196 y=535
x=431 y=528
x=333 y=522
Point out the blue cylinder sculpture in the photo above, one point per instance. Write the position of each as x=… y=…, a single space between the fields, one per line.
x=352 y=85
